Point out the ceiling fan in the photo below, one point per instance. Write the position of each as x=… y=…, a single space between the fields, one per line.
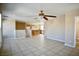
x=4 y=16
x=45 y=16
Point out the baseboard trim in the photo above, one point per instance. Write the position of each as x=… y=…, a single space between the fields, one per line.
x=69 y=45
x=54 y=39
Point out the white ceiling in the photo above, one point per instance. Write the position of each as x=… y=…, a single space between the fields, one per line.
x=32 y=9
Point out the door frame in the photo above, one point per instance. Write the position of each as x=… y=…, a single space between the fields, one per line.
x=75 y=30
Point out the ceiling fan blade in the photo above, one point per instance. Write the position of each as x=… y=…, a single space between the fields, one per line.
x=50 y=16
x=45 y=18
x=5 y=16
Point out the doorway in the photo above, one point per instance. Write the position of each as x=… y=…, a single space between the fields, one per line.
x=37 y=29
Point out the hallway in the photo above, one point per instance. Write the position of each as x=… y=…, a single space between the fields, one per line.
x=36 y=46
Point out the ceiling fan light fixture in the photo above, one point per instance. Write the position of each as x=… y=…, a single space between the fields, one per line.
x=41 y=13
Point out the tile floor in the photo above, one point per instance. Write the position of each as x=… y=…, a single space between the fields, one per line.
x=36 y=46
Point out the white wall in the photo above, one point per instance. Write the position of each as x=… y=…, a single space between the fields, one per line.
x=55 y=29
x=9 y=28
x=69 y=27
